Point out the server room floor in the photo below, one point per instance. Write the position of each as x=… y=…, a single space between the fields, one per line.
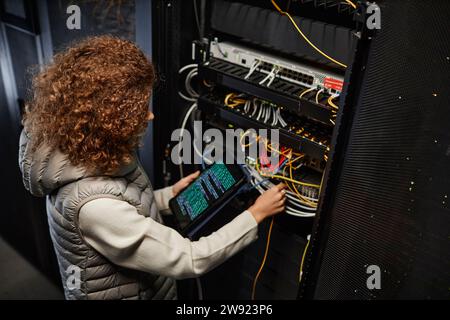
x=21 y=280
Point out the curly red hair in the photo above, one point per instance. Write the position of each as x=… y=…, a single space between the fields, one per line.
x=92 y=103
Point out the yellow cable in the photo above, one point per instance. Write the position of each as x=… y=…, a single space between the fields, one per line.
x=297 y=153
x=305 y=92
x=351 y=4
x=290 y=180
x=303 y=260
x=231 y=100
x=321 y=181
x=255 y=281
x=331 y=103
x=292 y=189
x=242 y=138
x=307 y=201
x=284 y=153
x=299 y=196
x=287 y=183
x=284 y=178
x=227 y=97
x=295 y=160
x=244 y=135
x=287 y=153
x=305 y=37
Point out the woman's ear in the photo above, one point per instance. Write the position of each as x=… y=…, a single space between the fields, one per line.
x=150 y=116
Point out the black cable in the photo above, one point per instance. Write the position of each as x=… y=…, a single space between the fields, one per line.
x=194 y=2
x=202 y=18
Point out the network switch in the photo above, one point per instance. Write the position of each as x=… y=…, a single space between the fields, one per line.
x=276 y=67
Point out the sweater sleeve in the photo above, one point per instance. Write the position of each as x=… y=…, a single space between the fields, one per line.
x=116 y=230
x=162 y=197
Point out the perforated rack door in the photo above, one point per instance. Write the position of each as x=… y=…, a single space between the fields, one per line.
x=387 y=200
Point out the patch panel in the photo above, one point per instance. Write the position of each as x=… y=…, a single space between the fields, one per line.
x=281 y=92
x=300 y=135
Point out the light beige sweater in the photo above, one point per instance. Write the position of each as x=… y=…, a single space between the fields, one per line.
x=116 y=230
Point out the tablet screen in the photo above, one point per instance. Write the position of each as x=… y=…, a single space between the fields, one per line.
x=212 y=185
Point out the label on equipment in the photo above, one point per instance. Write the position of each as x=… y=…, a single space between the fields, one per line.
x=331 y=83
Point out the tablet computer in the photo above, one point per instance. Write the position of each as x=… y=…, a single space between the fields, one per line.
x=206 y=196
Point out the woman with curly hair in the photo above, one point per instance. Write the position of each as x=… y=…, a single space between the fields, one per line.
x=82 y=127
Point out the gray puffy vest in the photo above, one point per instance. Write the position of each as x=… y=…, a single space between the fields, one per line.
x=85 y=273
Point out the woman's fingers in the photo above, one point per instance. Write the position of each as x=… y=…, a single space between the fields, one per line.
x=280 y=186
x=196 y=174
x=183 y=183
x=191 y=177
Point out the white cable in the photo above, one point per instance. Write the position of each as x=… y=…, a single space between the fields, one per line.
x=206 y=160
x=268 y=113
x=298 y=213
x=255 y=107
x=268 y=76
x=199 y=288
x=194 y=65
x=275 y=116
x=262 y=186
x=288 y=210
x=265 y=79
x=224 y=54
x=247 y=106
x=317 y=95
x=280 y=118
x=187 y=83
x=261 y=107
x=274 y=74
x=254 y=66
x=186 y=98
x=193 y=73
x=295 y=201
x=183 y=125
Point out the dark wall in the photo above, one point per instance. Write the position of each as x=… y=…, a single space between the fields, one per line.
x=97 y=18
x=23 y=220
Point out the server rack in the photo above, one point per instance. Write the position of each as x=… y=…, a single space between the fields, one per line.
x=384 y=203
x=335 y=27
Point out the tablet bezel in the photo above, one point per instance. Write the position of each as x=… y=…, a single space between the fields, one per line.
x=186 y=225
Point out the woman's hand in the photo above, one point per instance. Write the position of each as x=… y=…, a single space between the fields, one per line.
x=183 y=183
x=269 y=203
